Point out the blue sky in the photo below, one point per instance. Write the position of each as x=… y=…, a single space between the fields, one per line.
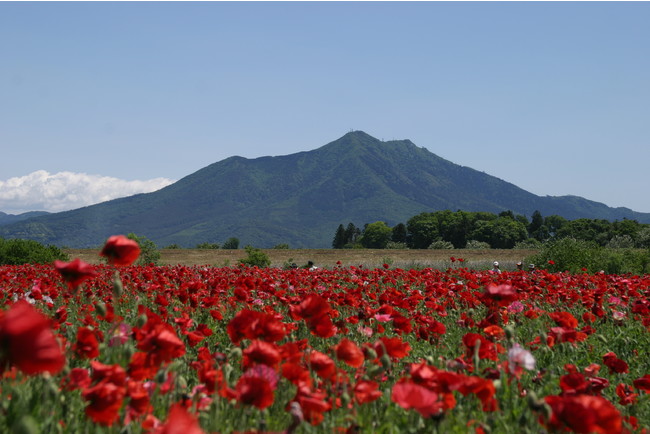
x=551 y=96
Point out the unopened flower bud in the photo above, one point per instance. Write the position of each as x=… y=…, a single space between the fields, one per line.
x=118 y=287
x=141 y=320
x=385 y=361
x=100 y=307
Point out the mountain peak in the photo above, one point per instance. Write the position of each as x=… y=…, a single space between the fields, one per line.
x=301 y=198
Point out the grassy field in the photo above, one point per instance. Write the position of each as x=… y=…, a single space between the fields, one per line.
x=476 y=259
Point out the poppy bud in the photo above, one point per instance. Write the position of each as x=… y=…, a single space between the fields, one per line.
x=370 y=353
x=234 y=353
x=385 y=361
x=26 y=425
x=161 y=376
x=477 y=357
x=375 y=370
x=601 y=338
x=100 y=307
x=181 y=382
x=141 y=321
x=118 y=287
x=129 y=350
x=510 y=332
x=345 y=399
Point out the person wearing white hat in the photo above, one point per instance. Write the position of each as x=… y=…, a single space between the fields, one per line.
x=495 y=267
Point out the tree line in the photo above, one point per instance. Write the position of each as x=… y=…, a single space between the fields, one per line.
x=506 y=230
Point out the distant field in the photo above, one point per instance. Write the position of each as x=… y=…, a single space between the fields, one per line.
x=328 y=257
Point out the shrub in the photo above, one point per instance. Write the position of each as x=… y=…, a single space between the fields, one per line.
x=231 y=243
x=283 y=246
x=212 y=246
x=18 y=252
x=477 y=245
x=256 y=258
x=173 y=246
x=441 y=245
x=643 y=238
x=396 y=245
x=621 y=242
x=530 y=243
x=149 y=253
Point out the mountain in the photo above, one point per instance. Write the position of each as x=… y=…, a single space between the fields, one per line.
x=6 y=219
x=300 y=199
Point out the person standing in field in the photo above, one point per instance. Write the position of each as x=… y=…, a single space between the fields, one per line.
x=495 y=267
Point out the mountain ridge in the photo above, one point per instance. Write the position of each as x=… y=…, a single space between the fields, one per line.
x=301 y=198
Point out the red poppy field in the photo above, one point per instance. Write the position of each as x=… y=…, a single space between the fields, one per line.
x=120 y=348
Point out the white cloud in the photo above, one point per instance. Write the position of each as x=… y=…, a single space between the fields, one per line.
x=43 y=191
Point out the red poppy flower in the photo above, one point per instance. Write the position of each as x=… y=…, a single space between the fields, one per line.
x=322 y=364
x=296 y=374
x=626 y=395
x=261 y=352
x=643 y=383
x=502 y=295
x=104 y=402
x=348 y=352
x=313 y=404
x=615 y=364
x=159 y=339
x=86 y=346
x=410 y=395
x=120 y=250
x=75 y=272
x=584 y=414
x=255 y=391
x=179 y=421
x=366 y=391
x=139 y=402
x=564 y=319
x=395 y=347
x=27 y=341
x=250 y=324
x=78 y=378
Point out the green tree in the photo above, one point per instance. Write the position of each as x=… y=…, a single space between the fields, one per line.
x=553 y=224
x=502 y=233
x=352 y=233
x=423 y=230
x=256 y=258
x=149 y=253
x=376 y=235
x=398 y=233
x=339 y=238
x=536 y=228
x=231 y=243
x=19 y=251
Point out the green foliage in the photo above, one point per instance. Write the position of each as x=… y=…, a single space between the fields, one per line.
x=441 y=245
x=173 y=247
x=396 y=245
x=283 y=246
x=621 y=242
x=18 y=252
x=149 y=253
x=570 y=254
x=643 y=238
x=477 y=245
x=399 y=233
x=212 y=246
x=339 y=238
x=376 y=236
x=530 y=243
x=231 y=243
x=256 y=258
